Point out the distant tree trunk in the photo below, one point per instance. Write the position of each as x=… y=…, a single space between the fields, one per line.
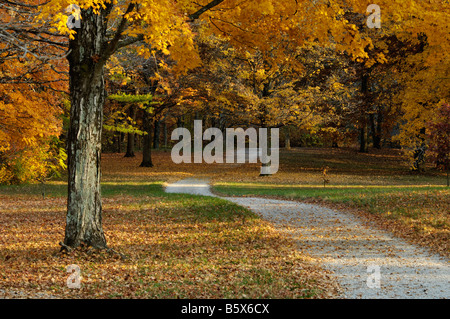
x=269 y=146
x=363 y=138
x=156 y=135
x=287 y=138
x=138 y=141
x=363 y=148
x=448 y=180
x=147 y=143
x=119 y=142
x=419 y=153
x=376 y=129
x=180 y=121
x=262 y=119
x=165 y=134
x=131 y=136
x=130 y=145
x=147 y=152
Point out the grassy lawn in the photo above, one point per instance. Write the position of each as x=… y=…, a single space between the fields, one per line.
x=177 y=246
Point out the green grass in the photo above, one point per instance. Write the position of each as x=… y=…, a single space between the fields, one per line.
x=332 y=193
x=54 y=189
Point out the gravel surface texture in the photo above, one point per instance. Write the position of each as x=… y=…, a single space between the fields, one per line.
x=367 y=262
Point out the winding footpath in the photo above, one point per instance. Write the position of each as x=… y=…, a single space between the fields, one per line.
x=367 y=262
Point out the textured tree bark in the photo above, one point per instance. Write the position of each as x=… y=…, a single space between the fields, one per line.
x=88 y=53
x=87 y=93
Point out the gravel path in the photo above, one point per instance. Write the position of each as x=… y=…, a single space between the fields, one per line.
x=190 y=186
x=21 y=294
x=367 y=262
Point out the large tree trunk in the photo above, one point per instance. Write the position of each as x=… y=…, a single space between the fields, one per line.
x=87 y=94
x=119 y=142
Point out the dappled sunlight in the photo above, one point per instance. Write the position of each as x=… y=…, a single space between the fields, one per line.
x=268 y=185
x=193 y=185
x=170 y=241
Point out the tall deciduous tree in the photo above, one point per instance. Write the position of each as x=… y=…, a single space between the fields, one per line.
x=91 y=44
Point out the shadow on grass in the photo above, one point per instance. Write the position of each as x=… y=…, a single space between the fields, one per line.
x=108 y=189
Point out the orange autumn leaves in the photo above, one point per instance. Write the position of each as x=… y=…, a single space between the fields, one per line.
x=29 y=118
x=172 y=249
x=30 y=97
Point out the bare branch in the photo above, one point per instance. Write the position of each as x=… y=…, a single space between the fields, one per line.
x=194 y=16
x=130 y=40
x=114 y=43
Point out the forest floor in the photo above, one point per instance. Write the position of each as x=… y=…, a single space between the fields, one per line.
x=183 y=246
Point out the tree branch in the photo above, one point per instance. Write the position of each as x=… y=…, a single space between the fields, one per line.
x=130 y=40
x=194 y=16
x=114 y=43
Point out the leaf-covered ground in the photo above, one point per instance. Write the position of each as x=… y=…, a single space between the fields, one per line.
x=192 y=247
x=176 y=246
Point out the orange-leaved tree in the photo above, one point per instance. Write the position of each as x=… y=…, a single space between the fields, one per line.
x=30 y=98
